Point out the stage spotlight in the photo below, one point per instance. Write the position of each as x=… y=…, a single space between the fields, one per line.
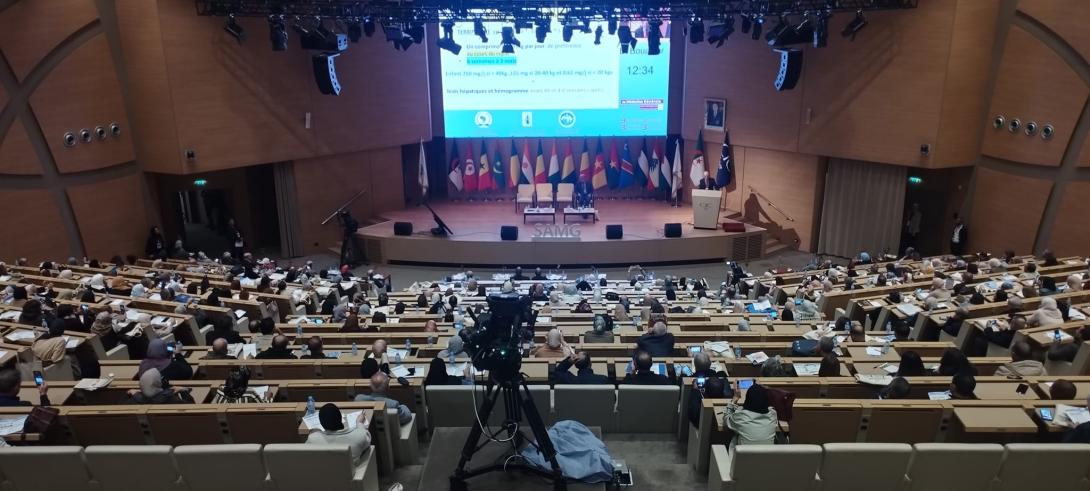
x=758 y=24
x=571 y=26
x=319 y=38
x=478 y=29
x=234 y=29
x=354 y=30
x=508 y=41
x=447 y=41
x=854 y=26
x=397 y=35
x=416 y=32
x=746 y=24
x=781 y=25
x=821 y=30
x=801 y=33
x=611 y=23
x=541 y=29
x=624 y=36
x=368 y=26
x=278 y=34
x=598 y=35
x=654 y=37
x=522 y=24
x=718 y=34
x=696 y=31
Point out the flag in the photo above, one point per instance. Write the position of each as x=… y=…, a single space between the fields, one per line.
x=626 y=177
x=567 y=172
x=613 y=168
x=455 y=174
x=642 y=166
x=484 y=170
x=527 y=167
x=554 y=166
x=675 y=175
x=586 y=171
x=599 y=179
x=697 y=170
x=726 y=164
x=539 y=166
x=499 y=180
x=470 y=175
x=422 y=172
x=665 y=171
x=653 y=167
x=514 y=167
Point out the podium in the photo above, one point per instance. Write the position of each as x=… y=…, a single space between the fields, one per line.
x=706 y=208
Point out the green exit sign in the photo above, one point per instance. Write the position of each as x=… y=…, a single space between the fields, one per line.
x=915 y=180
x=204 y=182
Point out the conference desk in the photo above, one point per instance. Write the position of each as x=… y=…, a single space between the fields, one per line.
x=995 y=420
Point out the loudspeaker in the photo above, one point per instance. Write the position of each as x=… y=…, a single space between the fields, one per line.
x=672 y=230
x=403 y=228
x=614 y=232
x=325 y=73
x=509 y=232
x=790 y=68
x=734 y=227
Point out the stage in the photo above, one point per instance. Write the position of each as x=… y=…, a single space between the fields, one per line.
x=476 y=239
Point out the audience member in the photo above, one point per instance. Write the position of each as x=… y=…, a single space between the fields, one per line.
x=380 y=383
x=335 y=432
x=314 y=349
x=642 y=374
x=10 y=384
x=153 y=391
x=963 y=386
x=714 y=388
x=911 y=365
x=171 y=366
x=954 y=361
x=753 y=423
x=584 y=370
x=437 y=374
x=658 y=342
x=278 y=350
x=1046 y=315
x=830 y=366
x=1022 y=364
x=1062 y=390
x=898 y=388
x=554 y=346
x=219 y=351
x=1080 y=433
x=602 y=332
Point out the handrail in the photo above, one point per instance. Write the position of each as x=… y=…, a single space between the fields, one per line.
x=338 y=210
x=770 y=203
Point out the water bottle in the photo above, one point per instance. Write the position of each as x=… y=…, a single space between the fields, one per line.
x=408 y=346
x=885 y=346
x=355 y=349
x=1056 y=335
x=299 y=330
x=397 y=358
x=768 y=322
x=310 y=405
x=737 y=351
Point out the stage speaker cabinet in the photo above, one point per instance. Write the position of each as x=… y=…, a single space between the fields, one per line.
x=790 y=68
x=403 y=228
x=614 y=232
x=672 y=230
x=325 y=73
x=509 y=232
x=729 y=226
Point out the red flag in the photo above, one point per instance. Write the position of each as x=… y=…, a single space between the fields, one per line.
x=470 y=173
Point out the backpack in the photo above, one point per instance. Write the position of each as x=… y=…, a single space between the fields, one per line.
x=804 y=347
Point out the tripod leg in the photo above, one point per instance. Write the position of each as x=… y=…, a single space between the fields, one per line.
x=541 y=435
x=457 y=481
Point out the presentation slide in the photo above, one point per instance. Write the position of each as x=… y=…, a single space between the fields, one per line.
x=555 y=88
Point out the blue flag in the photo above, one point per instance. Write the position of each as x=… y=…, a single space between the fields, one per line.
x=726 y=164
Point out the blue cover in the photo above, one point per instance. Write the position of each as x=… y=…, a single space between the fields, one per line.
x=582 y=456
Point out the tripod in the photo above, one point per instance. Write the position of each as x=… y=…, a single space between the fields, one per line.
x=515 y=404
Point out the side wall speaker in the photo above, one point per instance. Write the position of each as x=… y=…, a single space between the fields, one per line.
x=790 y=68
x=403 y=228
x=325 y=73
x=614 y=232
x=672 y=230
x=509 y=232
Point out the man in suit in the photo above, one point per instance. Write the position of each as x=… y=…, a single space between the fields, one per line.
x=959 y=237
x=715 y=115
x=707 y=182
x=518 y=274
x=658 y=342
x=278 y=350
x=583 y=192
x=643 y=374
x=585 y=372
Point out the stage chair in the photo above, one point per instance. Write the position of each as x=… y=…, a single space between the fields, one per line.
x=864 y=466
x=327 y=467
x=222 y=467
x=591 y=405
x=117 y=468
x=1048 y=465
x=647 y=408
x=764 y=467
x=544 y=193
x=26 y=469
x=565 y=194
x=524 y=196
x=954 y=466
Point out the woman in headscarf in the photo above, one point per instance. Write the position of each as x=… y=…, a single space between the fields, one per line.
x=1048 y=314
x=620 y=314
x=329 y=303
x=49 y=348
x=170 y=367
x=554 y=346
x=583 y=307
x=1074 y=283
x=455 y=347
x=32 y=313
x=753 y=423
x=335 y=432
x=437 y=374
x=152 y=391
x=103 y=327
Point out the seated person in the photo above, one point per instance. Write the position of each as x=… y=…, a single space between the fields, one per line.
x=152 y=391
x=602 y=332
x=554 y=346
x=380 y=383
x=753 y=423
x=583 y=307
x=963 y=385
x=901 y=330
x=378 y=352
x=455 y=348
x=335 y=432
x=219 y=351
x=585 y=371
x=714 y=388
x=1081 y=433
x=897 y=389
x=642 y=374
x=351 y=324
x=10 y=381
x=911 y=365
x=658 y=342
x=1067 y=351
x=538 y=275
x=518 y=276
x=314 y=349
x=830 y=366
x=1062 y=390
x=584 y=195
x=437 y=374
x=952 y=326
x=1022 y=364
x=278 y=350
x=236 y=389
x=856 y=334
x=223 y=328
x=1048 y=314
x=702 y=367
x=171 y=366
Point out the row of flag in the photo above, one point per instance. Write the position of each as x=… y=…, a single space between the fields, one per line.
x=652 y=169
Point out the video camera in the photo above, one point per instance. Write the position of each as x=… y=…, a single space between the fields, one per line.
x=495 y=344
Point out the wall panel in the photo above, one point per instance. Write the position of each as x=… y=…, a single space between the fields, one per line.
x=111 y=216
x=794 y=183
x=1070 y=235
x=1067 y=18
x=16 y=154
x=32 y=28
x=36 y=231
x=1006 y=211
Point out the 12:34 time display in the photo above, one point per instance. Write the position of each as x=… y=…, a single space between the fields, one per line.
x=641 y=70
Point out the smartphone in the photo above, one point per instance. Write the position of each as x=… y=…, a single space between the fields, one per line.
x=695 y=349
x=686 y=371
x=700 y=382
x=1022 y=388
x=38 y=378
x=745 y=383
x=84 y=307
x=1046 y=414
x=170 y=348
x=798 y=301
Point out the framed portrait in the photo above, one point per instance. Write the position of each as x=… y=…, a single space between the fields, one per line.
x=715 y=114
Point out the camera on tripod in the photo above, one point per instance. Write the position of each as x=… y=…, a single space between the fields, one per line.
x=495 y=344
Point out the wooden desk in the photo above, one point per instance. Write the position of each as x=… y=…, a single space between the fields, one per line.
x=991 y=391
x=859 y=353
x=995 y=420
x=57 y=395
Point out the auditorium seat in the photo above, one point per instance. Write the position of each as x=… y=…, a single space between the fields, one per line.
x=647 y=408
x=591 y=405
x=954 y=466
x=1055 y=466
x=764 y=467
x=864 y=466
x=325 y=467
x=235 y=467
x=455 y=403
x=127 y=467
x=407 y=446
x=44 y=468
x=59 y=371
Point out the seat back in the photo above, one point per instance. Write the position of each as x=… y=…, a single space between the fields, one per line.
x=825 y=424
x=221 y=467
x=591 y=405
x=1056 y=466
x=904 y=424
x=263 y=423
x=525 y=192
x=647 y=408
x=132 y=467
x=450 y=405
x=185 y=426
x=765 y=467
x=25 y=472
x=864 y=466
x=90 y=427
x=565 y=191
x=544 y=194
x=307 y=466
x=954 y=466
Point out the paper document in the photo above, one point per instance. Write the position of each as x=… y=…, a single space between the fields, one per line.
x=1073 y=416
x=92 y=383
x=456 y=369
x=240 y=313
x=235 y=349
x=1075 y=314
x=262 y=391
x=11 y=426
x=160 y=319
x=939 y=396
x=807 y=369
x=249 y=350
x=19 y=335
x=757 y=358
x=908 y=309
x=156 y=297
x=311 y=421
x=874 y=351
x=879 y=380
x=399 y=371
x=117 y=303
x=718 y=346
x=544 y=320
x=392 y=353
x=10 y=315
x=131 y=314
x=393 y=320
x=890 y=368
x=762 y=305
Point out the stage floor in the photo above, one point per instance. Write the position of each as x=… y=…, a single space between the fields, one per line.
x=476 y=238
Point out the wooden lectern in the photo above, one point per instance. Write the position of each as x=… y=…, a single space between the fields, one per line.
x=706 y=208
